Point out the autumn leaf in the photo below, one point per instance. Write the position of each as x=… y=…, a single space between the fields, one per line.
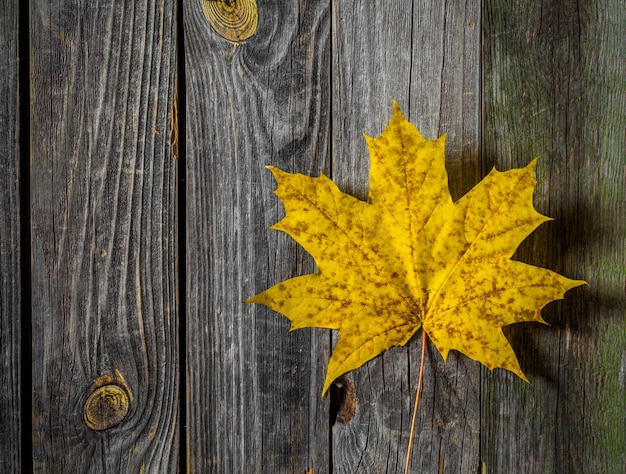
x=410 y=257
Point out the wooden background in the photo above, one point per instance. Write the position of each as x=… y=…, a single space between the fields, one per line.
x=134 y=207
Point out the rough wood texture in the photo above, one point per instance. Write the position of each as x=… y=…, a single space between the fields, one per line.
x=104 y=236
x=425 y=55
x=10 y=298
x=507 y=83
x=554 y=87
x=254 y=400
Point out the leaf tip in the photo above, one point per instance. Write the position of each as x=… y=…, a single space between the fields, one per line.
x=251 y=299
x=576 y=283
x=327 y=385
x=532 y=166
x=275 y=171
x=397 y=111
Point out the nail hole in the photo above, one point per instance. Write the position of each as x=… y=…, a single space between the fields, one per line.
x=342 y=400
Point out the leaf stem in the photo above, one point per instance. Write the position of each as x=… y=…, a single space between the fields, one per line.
x=417 y=399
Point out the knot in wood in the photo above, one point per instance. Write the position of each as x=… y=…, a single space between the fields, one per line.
x=106 y=407
x=342 y=400
x=233 y=20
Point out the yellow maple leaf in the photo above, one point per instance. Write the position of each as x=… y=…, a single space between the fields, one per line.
x=410 y=257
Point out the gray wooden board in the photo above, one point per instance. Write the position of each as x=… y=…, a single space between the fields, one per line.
x=254 y=390
x=426 y=56
x=506 y=84
x=104 y=236
x=10 y=302
x=554 y=88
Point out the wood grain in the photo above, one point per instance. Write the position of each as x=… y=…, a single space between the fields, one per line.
x=506 y=83
x=425 y=55
x=554 y=87
x=254 y=401
x=10 y=245
x=104 y=236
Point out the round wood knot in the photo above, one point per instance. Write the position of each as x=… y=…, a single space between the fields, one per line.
x=106 y=407
x=233 y=20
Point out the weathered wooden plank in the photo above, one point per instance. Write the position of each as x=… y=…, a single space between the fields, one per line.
x=554 y=87
x=426 y=55
x=254 y=401
x=10 y=245
x=104 y=237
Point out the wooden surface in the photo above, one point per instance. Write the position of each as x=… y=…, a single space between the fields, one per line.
x=254 y=402
x=426 y=56
x=10 y=245
x=121 y=240
x=554 y=88
x=104 y=241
